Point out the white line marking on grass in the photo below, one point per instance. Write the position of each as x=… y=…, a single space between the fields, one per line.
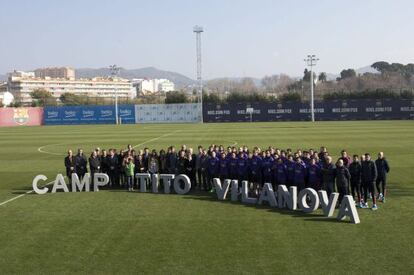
x=40 y=150
x=19 y=196
x=234 y=144
x=156 y=138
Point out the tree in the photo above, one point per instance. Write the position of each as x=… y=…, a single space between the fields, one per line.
x=41 y=96
x=307 y=75
x=322 y=77
x=176 y=97
x=72 y=99
x=247 y=85
x=349 y=73
x=270 y=83
x=211 y=98
x=381 y=66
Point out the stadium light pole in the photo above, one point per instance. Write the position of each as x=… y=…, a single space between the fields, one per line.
x=198 y=30
x=114 y=73
x=311 y=61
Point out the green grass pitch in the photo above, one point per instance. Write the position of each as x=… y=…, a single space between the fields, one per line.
x=113 y=231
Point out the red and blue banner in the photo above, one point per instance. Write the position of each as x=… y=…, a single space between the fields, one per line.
x=24 y=116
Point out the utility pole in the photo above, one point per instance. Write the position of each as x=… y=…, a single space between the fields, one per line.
x=198 y=30
x=311 y=61
x=114 y=73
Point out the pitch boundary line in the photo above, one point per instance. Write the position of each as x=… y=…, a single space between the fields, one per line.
x=40 y=149
x=157 y=138
x=21 y=195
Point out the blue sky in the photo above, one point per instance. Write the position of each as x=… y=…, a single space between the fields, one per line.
x=241 y=38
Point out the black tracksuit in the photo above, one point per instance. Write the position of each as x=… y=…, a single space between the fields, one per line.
x=112 y=166
x=94 y=166
x=383 y=169
x=355 y=171
x=81 y=165
x=70 y=166
x=342 y=177
x=368 y=177
x=328 y=178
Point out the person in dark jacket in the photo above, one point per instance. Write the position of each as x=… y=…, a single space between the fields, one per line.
x=322 y=153
x=342 y=177
x=181 y=163
x=139 y=164
x=162 y=159
x=328 y=176
x=112 y=166
x=355 y=171
x=121 y=168
x=203 y=170
x=171 y=161
x=190 y=164
x=94 y=164
x=383 y=169
x=104 y=161
x=198 y=166
x=70 y=165
x=81 y=164
x=368 y=178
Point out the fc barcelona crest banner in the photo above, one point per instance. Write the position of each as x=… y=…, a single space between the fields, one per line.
x=29 y=116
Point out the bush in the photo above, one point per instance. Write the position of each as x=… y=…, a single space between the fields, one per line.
x=211 y=98
x=291 y=97
x=407 y=94
x=374 y=94
x=176 y=97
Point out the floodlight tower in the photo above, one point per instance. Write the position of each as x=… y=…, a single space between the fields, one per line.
x=311 y=61
x=198 y=30
x=114 y=73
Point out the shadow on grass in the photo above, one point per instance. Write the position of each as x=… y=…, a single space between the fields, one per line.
x=211 y=197
x=292 y=213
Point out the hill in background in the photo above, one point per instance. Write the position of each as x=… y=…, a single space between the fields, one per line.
x=147 y=72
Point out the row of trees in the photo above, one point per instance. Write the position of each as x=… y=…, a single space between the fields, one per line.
x=42 y=97
x=393 y=80
x=388 y=80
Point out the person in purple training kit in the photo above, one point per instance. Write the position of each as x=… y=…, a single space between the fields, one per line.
x=267 y=165
x=290 y=166
x=213 y=165
x=233 y=166
x=242 y=168
x=255 y=165
x=345 y=158
x=224 y=169
x=281 y=173
x=300 y=174
x=314 y=175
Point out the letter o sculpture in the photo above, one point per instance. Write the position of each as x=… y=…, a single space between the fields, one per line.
x=177 y=186
x=314 y=200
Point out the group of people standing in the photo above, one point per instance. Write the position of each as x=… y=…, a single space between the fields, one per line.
x=360 y=175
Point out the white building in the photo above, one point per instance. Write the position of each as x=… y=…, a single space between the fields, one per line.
x=21 y=84
x=6 y=98
x=149 y=86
